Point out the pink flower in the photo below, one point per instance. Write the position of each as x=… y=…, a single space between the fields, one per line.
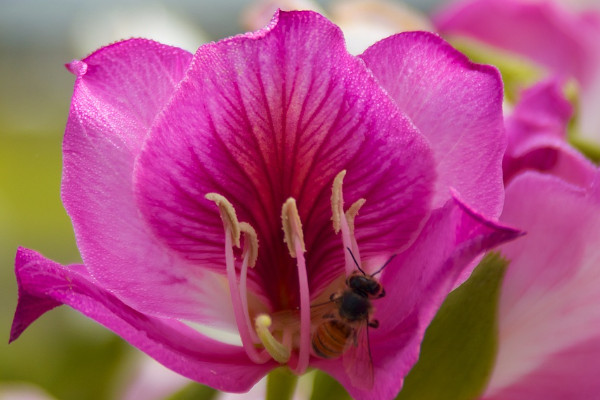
x=549 y=319
x=564 y=41
x=180 y=171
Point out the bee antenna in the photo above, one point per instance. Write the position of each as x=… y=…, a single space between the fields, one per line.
x=355 y=262
x=384 y=265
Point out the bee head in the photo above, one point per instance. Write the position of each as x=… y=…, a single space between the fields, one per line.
x=365 y=285
x=374 y=273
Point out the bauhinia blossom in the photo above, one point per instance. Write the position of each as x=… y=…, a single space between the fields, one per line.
x=225 y=189
x=564 y=41
x=549 y=319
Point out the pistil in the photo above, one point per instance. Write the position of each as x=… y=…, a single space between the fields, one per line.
x=279 y=351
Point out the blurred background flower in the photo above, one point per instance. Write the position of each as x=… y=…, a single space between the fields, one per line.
x=65 y=356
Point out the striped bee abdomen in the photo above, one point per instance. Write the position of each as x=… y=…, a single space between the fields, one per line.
x=330 y=338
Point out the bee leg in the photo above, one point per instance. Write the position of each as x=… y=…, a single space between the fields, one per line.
x=374 y=323
x=382 y=294
x=335 y=296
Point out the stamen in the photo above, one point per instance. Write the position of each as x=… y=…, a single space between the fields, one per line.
x=294 y=238
x=353 y=212
x=232 y=236
x=278 y=351
x=250 y=243
x=341 y=221
x=292 y=226
x=337 y=201
x=250 y=256
x=227 y=215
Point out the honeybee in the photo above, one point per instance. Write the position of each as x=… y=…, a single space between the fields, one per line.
x=344 y=330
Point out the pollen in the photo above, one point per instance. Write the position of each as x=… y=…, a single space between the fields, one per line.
x=337 y=200
x=250 y=243
x=344 y=222
x=292 y=226
x=227 y=215
x=353 y=212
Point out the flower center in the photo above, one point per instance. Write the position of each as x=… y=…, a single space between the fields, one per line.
x=276 y=336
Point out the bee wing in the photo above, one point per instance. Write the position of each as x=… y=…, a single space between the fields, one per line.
x=357 y=359
x=324 y=311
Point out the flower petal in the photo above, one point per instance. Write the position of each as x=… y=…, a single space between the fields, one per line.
x=43 y=283
x=550 y=295
x=456 y=104
x=542 y=109
x=551 y=156
x=417 y=282
x=569 y=374
x=276 y=114
x=536 y=131
x=364 y=22
x=150 y=380
x=119 y=91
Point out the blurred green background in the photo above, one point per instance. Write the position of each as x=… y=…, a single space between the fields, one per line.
x=64 y=354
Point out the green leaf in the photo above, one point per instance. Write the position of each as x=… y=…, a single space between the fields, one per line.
x=281 y=383
x=194 y=391
x=327 y=388
x=460 y=345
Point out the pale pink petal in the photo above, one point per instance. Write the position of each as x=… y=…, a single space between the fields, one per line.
x=276 y=114
x=417 y=281
x=549 y=304
x=43 y=283
x=365 y=22
x=22 y=391
x=456 y=104
x=119 y=91
x=571 y=373
x=150 y=380
x=260 y=12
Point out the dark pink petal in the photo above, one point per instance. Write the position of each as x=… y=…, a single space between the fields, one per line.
x=549 y=314
x=44 y=284
x=277 y=114
x=551 y=156
x=456 y=104
x=536 y=131
x=417 y=282
x=119 y=91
